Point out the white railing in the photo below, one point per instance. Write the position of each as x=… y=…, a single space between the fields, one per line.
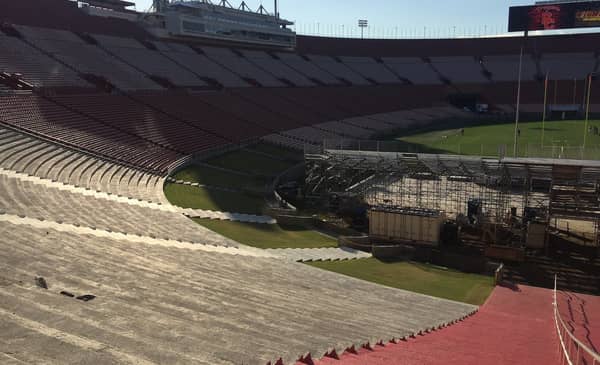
x=574 y=351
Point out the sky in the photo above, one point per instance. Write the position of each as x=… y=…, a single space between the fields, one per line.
x=390 y=18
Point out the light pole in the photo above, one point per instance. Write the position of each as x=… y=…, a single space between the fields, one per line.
x=545 y=107
x=587 y=108
x=518 y=104
x=362 y=24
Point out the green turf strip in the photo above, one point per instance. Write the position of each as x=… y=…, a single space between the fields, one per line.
x=278 y=151
x=415 y=277
x=208 y=199
x=485 y=139
x=214 y=177
x=269 y=235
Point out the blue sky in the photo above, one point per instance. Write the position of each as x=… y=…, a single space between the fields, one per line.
x=388 y=18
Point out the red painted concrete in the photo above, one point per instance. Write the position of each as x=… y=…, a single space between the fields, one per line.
x=515 y=326
x=581 y=313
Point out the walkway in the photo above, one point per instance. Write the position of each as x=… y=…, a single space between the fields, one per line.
x=515 y=326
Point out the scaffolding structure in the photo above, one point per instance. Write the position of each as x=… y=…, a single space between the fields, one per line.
x=497 y=190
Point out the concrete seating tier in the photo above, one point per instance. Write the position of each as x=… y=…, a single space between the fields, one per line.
x=22 y=153
x=35 y=200
x=157 y=305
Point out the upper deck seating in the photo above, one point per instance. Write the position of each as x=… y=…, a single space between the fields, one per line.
x=506 y=68
x=568 y=66
x=87 y=58
x=241 y=66
x=371 y=69
x=36 y=68
x=277 y=68
x=459 y=69
x=65 y=14
x=413 y=69
x=338 y=69
x=308 y=68
x=200 y=64
x=149 y=61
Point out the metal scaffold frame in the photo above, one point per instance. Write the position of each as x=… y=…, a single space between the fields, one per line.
x=505 y=187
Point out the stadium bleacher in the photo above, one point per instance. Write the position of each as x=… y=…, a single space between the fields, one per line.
x=87 y=58
x=338 y=69
x=277 y=68
x=35 y=67
x=459 y=69
x=201 y=65
x=506 y=67
x=568 y=66
x=413 y=69
x=82 y=167
x=38 y=115
x=151 y=62
x=305 y=66
x=371 y=69
x=240 y=65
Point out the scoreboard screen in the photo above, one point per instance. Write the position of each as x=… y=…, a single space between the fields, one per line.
x=554 y=16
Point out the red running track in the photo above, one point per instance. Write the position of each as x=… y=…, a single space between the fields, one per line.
x=515 y=326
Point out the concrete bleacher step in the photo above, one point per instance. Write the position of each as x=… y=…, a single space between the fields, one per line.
x=141 y=289
x=319 y=254
x=22 y=153
x=27 y=162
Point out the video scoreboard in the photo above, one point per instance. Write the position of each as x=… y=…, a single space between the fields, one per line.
x=554 y=15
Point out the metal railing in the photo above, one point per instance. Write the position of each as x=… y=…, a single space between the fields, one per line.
x=478 y=149
x=574 y=352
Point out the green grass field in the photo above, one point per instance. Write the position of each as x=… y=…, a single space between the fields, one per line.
x=485 y=139
x=250 y=163
x=209 y=176
x=279 y=151
x=200 y=198
x=214 y=199
x=416 y=277
x=269 y=235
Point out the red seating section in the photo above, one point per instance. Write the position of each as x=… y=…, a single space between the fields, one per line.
x=40 y=116
x=64 y=14
x=136 y=118
x=515 y=326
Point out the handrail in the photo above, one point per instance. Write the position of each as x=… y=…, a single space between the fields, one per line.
x=558 y=320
